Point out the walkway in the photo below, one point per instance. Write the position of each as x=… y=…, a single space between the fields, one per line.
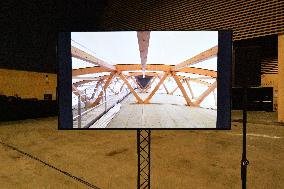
x=165 y=111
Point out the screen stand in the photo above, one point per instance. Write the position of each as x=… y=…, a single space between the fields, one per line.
x=244 y=161
x=143 y=152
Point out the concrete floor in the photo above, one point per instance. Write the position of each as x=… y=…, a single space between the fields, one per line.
x=165 y=111
x=107 y=159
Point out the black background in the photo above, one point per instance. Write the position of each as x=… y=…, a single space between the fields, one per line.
x=30 y=28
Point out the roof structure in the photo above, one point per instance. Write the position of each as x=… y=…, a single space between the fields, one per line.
x=102 y=73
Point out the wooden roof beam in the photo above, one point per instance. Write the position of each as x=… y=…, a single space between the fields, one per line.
x=165 y=68
x=199 y=81
x=89 y=70
x=79 y=93
x=206 y=93
x=110 y=77
x=87 y=78
x=140 y=73
x=149 y=84
x=136 y=67
x=210 y=53
x=139 y=100
x=82 y=55
x=171 y=93
x=187 y=99
x=147 y=100
x=90 y=80
x=164 y=85
x=199 y=71
x=137 y=83
x=190 y=89
x=100 y=82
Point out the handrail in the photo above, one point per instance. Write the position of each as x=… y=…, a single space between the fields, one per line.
x=85 y=112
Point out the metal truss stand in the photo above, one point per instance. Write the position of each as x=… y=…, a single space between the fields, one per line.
x=244 y=161
x=143 y=152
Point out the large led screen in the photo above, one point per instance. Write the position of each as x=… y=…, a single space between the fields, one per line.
x=147 y=79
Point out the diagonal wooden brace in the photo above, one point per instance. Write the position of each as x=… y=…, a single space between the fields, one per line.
x=139 y=100
x=206 y=93
x=187 y=99
x=147 y=100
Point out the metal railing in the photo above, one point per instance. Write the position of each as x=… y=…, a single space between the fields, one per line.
x=104 y=101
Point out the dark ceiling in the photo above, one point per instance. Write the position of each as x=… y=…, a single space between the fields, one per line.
x=29 y=38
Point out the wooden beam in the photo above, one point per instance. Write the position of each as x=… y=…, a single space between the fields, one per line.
x=78 y=53
x=187 y=99
x=171 y=93
x=75 y=90
x=121 y=87
x=82 y=82
x=85 y=78
x=164 y=85
x=149 y=84
x=199 y=81
x=101 y=81
x=167 y=91
x=89 y=70
x=147 y=100
x=112 y=74
x=88 y=81
x=77 y=93
x=136 y=67
x=137 y=84
x=139 y=100
x=140 y=73
x=206 y=93
x=205 y=78
x=189 y=87
x=210 y=53
x=150 y=67
x=199 y=71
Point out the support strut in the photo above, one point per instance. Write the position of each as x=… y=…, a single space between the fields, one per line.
x=143 y=152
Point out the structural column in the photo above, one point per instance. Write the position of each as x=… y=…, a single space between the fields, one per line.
x=280 y=94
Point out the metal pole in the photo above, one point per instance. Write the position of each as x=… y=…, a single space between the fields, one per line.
x=85 y=98
x=105 y=101
x=244 y=161
x=79 y=111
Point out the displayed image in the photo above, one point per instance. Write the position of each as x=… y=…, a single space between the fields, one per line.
x=144 y=79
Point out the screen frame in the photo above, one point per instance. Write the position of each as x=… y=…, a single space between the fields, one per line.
x=224 y=84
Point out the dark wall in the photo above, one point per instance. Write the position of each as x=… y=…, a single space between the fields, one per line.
x=29 y=40
x=18 y=109
x=30 y=34
x=249 y=56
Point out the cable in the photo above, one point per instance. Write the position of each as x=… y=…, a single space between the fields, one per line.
x=49 y=165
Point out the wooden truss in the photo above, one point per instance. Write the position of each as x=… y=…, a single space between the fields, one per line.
x=139 y=100
x=124 y=72
x=149 y=84
x=147 y=100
